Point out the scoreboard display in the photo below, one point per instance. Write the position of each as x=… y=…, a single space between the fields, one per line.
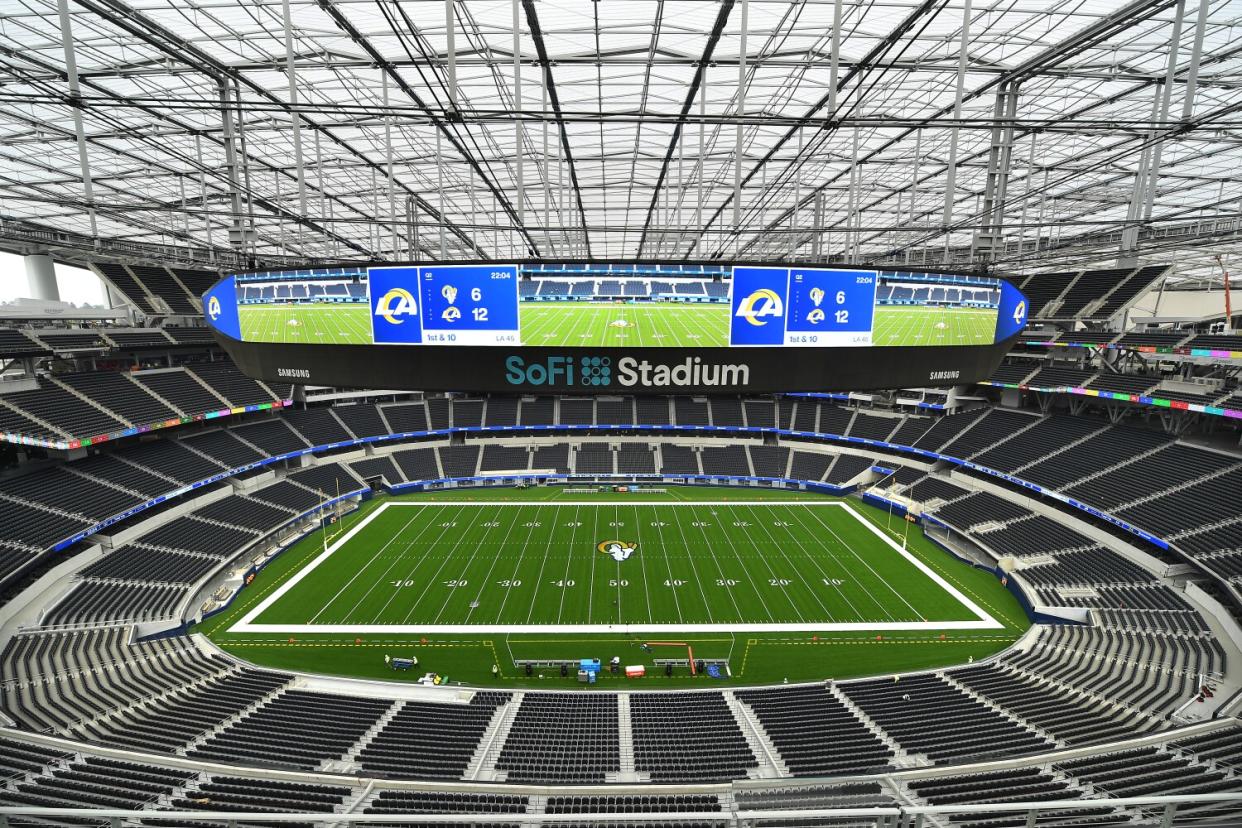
x=448 y=305
x=802 y=307
x=541 y=319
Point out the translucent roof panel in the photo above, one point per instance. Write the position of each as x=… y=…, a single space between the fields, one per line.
x=1019 y=135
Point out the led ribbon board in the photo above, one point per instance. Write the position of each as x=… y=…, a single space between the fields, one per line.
x=629 y=328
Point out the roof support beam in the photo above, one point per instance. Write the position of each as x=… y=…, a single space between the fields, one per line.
x=999 y=158
x=1045 y=61
x=1196 y=55
x=295 y=119
x=925 y=8
x=1147 y=176
x=450 y=43
x=834 y=59
x=519 y=129
x=696 y=87
x=124 y=17
x=740 y=108
x=75 y=99
x=1166 y=95
x=536 y=33
x=238 y=229
x=951 y=169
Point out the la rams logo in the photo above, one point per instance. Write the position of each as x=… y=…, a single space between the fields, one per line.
x=618 y=550
x=213 y=308
x=1019 y=313
x=395 y=304
x=761 y=303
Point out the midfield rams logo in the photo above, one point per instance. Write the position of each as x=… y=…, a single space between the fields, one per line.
x=761 y=303
x=213 y=308
x=405 y=306
x=619 y=550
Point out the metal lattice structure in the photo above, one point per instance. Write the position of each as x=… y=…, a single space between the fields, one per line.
x=1015 y=134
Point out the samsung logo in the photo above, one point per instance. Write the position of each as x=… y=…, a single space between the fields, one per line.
x=944 y=375
x=293 y=373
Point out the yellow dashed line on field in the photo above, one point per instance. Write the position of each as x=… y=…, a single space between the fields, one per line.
x=339 y=644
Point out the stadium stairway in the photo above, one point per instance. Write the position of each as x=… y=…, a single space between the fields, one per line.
x=482 y=765
x=901 y=757
x=1062 y=449
x=625 y=742
x=50 y=427
x=771 y=765
x=147 y=388
x=348 y=761
x=947 y=677
x=95 y=728
x=1150 y=496
x=54 y=380
x=258 y=704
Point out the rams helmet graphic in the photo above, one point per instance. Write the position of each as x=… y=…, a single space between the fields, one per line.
x=404 y=306
x=618 y=550
x=761 y=303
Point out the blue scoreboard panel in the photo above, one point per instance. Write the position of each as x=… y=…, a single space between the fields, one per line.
x=809 y=307
x=444 y=305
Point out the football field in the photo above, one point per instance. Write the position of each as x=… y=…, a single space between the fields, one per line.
x=911 y=325
x=594 y=567
x=604 y=324
x=327 y=324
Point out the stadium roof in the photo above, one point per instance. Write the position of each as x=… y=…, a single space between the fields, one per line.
x=1025 y=133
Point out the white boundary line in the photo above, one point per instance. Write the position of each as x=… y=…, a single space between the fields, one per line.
x=247 y=624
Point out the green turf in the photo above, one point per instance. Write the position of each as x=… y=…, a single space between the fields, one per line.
x=329 y=324
x=754 y=657
x=504 y=564
x=608 y=324
x=906 y=325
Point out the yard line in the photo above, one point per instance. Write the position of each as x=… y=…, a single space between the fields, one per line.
x=815 y=561
x=543 y=562
x=698 y=577
x=487 y=579
x=418 y=563
x=642 y=564
x=713 y=337
x=518 y=566
x=862 y=561
x=569 y=556
x=720 y=568
x=729 y=537
x=591 y=583
x=452 y=554
x=663 y=546
x=362 y=569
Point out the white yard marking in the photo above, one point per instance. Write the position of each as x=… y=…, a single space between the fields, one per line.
x=982 y=621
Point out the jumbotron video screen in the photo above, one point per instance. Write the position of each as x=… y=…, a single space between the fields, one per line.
x=617 y=305
x=593 y=327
